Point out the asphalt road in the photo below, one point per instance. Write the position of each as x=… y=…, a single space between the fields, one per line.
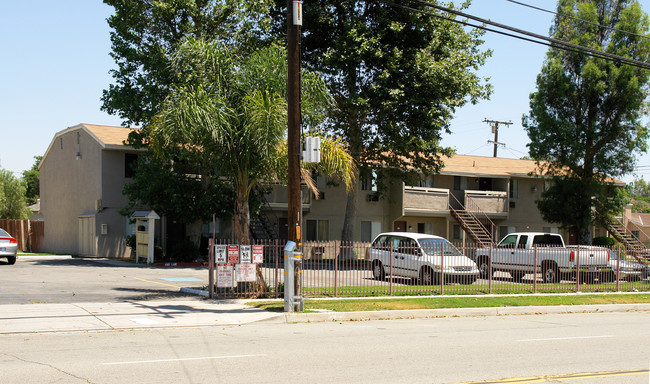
x=47 y=280
x=601 y=348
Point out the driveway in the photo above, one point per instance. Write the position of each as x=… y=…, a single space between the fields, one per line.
x=46 y=280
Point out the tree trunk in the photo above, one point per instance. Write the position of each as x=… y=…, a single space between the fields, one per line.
x=242 y=217
x=347 y=235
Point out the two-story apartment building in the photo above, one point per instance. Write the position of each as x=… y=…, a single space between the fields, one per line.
x=503 y=190
x=81 y=179
x=85 y=167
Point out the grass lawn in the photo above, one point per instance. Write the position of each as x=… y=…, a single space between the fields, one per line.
x=352 y=305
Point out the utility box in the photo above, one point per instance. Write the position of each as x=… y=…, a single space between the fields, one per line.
x=145 y=224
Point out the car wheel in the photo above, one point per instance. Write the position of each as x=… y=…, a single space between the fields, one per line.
x=484 y=267
x=550 y=273
x=378 y=271
x=11 y=260
x=427 y=276
x=517 y=276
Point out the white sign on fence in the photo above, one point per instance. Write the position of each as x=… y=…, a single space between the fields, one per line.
x=225 y=276
x=245 y=272
x=245 y=254
x=258 y=254
x=220 y=253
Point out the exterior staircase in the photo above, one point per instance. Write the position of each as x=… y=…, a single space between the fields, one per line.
x=476 y=229
x=632 y=244
x=262 y=228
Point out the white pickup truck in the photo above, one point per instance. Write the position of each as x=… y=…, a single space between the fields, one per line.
x=534 y=252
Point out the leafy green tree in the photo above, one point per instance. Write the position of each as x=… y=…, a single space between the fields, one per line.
x=397 y=77
x=585 y=116
x=639 y=193
x=233 y=110
x=173 y=187
x=12 y=197
x=31 y=178
x=145 y=34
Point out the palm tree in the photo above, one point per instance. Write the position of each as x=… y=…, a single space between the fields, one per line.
x=234 y=110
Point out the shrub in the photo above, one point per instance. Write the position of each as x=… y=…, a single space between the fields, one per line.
x=603 y=241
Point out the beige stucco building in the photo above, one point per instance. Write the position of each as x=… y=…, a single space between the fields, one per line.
x=85 y=167
x=81 y=179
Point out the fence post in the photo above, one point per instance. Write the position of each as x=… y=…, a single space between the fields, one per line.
x=490 y=273
x=535 y=269
x=618 y=267
x=442 y=269
x=577 y=269
x=336 y=277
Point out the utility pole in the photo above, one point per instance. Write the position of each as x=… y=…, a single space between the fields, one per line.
x=294 y=20
x=495 y=130
x=293 y=250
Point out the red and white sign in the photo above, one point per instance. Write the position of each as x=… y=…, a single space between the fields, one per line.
x=220 y=254
x=258 y=254
x=233 y=254
x=225 y=276
x=245 y=254
x=245 y=272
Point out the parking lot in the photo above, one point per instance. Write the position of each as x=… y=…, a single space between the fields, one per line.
x=68 y=280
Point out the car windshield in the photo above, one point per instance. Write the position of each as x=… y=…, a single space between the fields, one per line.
x=434 y=246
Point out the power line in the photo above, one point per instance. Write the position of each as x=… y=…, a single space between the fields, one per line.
x=552 y=42
x=576 y=18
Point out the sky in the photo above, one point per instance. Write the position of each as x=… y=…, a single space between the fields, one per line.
x=56 y=64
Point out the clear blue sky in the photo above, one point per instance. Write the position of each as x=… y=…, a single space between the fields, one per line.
x=56 y=63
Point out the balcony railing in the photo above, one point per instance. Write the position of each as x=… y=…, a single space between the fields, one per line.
x=278 y=198
x=489 y=202
x=418 y=200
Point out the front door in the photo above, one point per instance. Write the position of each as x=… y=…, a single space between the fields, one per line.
x=399 y=226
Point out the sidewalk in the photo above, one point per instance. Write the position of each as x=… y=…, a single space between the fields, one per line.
x=22 y=318
x=30 y=318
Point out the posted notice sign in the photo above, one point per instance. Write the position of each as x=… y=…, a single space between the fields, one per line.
x=225 y=276
x=245 y=272
x=245 y=254
x=233 y=254
x=258 y=254
x=220 y=254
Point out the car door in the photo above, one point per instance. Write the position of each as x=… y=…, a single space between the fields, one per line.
x=503 y=253
x=408 y=257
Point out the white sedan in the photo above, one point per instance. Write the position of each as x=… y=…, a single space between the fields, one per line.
x=8 y=246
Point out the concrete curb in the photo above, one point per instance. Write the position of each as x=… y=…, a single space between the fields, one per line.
x=44 y=257
x=293 y=317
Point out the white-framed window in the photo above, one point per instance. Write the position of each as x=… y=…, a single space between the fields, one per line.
x=514 y=188
x=369 y=181
x=317 y=230
x=370 y=230
x=425 y=228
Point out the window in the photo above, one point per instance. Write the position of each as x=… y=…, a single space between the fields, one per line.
x=457 y=186
x=508 y=242
x=130 y=163
x=317 y=230
x=636 y=234
x=369 y=181
x=505 y=230
x=206 y=228
x=425 y=228
x=514 y=188
x=426 y=181
x=369 y=230
x=455 y=232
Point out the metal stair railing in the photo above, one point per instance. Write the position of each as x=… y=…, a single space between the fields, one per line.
x=485 y=235
x=625 y=236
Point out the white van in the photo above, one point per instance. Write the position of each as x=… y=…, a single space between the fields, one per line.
x=419 y=256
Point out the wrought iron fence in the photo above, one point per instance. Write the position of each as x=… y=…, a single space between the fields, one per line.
x=336 y=269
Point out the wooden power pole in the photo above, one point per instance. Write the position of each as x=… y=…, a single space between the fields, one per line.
x=495 y=130
x=294 y=20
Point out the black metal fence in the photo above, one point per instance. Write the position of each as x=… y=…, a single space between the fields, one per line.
x=336 y=269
